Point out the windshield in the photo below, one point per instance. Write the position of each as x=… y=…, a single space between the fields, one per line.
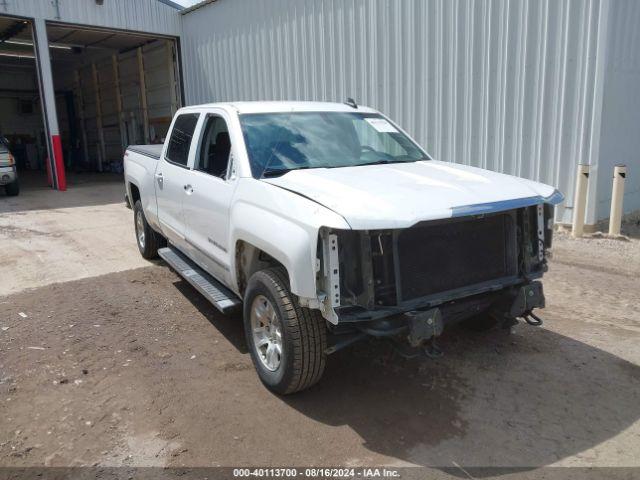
x=280 y=142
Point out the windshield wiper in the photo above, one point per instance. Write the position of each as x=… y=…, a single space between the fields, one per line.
x=277 y=172
x=379 y=162
x=384 y=161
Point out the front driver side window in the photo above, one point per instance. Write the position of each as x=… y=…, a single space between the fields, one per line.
x=216 y=146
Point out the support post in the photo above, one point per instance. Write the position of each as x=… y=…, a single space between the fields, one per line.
x=83 y=130
x=580 y=200
x=96 y=87
x=617 y=199
x=116 y=79
x=48 y=101
x=143 y=95
x=173 y=86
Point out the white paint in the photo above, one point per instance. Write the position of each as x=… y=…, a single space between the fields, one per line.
x=403 y=194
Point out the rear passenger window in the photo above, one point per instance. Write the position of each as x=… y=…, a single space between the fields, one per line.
x=181 y=135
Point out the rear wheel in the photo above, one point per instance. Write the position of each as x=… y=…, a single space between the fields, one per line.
x=287 y=342
x=148 y=240
x=12 y=189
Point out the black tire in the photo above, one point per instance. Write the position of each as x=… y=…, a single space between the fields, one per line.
x=304 y=334
x=12 y=189
x=152 y=240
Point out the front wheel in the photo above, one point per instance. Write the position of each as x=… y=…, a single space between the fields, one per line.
x=287 y=342
x=148 y=240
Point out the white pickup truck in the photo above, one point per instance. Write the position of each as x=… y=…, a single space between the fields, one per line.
x=327 y=223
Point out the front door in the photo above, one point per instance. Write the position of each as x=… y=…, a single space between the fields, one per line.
x=206 y=205
x=173 y=176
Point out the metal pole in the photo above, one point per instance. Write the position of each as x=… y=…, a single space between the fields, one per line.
x=580 y=200
x=143 y=95
x=102 y=152
x=617 y=197
x=48 y=101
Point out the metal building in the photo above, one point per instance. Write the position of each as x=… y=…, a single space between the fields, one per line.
x=81 y=79
x=526 y=87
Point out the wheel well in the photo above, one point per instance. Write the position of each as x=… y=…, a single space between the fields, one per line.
x=135 y=194
x=249 y=260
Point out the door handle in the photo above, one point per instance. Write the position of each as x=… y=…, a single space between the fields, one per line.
x=159 y=178
x=188 y=188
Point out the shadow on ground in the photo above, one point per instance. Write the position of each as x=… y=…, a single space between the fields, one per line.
x=491 y=401
x=230 y=326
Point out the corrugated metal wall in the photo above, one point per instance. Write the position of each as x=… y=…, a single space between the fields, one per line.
x=509 y=85
x=138 y=15
x=620 y=141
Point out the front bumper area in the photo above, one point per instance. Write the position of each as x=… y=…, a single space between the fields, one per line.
x=419 y=328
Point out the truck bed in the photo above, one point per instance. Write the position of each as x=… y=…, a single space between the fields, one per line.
x=152 y=151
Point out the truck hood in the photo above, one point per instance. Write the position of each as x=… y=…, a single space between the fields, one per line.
x=400 y=195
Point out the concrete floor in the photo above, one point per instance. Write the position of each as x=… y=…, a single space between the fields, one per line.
x=169 y=381
x=49 y=236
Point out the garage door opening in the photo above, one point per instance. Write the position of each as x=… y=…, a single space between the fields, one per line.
x=22 y=128
x=113 y=88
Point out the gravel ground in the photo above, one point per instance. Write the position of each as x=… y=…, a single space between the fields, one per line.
x=135 y=368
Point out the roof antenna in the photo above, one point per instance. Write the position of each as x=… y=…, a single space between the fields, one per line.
x=351 y=102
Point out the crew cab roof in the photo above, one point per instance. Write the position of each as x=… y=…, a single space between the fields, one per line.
x=276 y=107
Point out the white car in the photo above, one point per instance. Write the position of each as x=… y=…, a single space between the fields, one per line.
x=328 y=223
x=8 y=173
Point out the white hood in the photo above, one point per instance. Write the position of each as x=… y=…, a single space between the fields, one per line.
x=400 y=195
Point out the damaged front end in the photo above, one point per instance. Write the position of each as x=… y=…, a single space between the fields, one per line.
x=409 y=284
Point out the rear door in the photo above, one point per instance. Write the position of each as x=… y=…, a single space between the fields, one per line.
x=208 y=198
x=172 y=177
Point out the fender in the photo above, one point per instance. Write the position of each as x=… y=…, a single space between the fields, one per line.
x=287 y=242
x=283 y=225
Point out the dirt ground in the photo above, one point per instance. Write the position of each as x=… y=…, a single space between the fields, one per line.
x=134 y=368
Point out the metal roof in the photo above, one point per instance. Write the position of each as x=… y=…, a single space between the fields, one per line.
x=196 y=6
x=172 y=4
